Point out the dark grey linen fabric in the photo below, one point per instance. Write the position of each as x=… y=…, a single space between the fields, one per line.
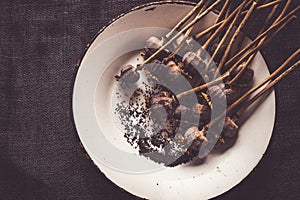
x=40 y=155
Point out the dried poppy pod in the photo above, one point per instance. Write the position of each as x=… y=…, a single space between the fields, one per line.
x=194 y=139
x=169 y=75
x=201 y=110
x=209 y=74
x=216 y=92
x=194 y=67
x=231 y=95
x=230 y=128
x=174 y=71
x=234 y=91
x=161 y=93
x=193 y=133
x=246 y=76
x=152 y=45
x=128 y=75
x=193 y=64
x=163 y=99
x=155 y=66
x=181 y=111
x=187 y=46
x=188 y=155
x=184 y=117
x=158 y=114
x=161 y=72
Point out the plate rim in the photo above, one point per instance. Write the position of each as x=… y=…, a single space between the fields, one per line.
x=86 y=50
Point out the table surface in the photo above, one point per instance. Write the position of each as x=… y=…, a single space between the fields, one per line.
x=40 y=155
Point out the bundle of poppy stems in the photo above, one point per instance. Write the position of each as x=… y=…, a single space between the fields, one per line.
x=224 y=77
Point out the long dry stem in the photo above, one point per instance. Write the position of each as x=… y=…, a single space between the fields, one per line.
x=242 y=99
x=262 y=42
x=247 y=63
x=254 y=42
x=274 y=74
x=264 y=90
x=223 y=11
x=227 y=74
x=194 y=21
x=286 y=7
x=180 y=45
x=266 y=21
x=224 y=76
x=235 y=35
x=228 y=10
x=208 y=30
x=216 y=25
x=226 y=35
x=186 y=17
x=221 y=28
x=204 y=86
x=188 y=32
x=266 y=5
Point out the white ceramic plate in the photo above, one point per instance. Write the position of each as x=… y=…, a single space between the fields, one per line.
x=100 y=134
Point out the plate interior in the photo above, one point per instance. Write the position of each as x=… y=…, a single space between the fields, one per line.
x=93 y=114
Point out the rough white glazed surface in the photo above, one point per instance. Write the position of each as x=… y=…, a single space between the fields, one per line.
x=217 y=174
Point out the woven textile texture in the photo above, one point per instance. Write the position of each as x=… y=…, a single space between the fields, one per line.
x=40 y=156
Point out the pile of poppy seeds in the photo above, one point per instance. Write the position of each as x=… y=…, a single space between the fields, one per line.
x=150 y=124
